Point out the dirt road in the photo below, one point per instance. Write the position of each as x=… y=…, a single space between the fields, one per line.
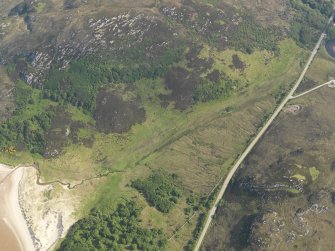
x=330 y=83
x=255 y=140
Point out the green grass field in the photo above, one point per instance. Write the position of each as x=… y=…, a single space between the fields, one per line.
x=322 y=68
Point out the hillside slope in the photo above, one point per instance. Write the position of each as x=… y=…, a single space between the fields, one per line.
x=135 y=110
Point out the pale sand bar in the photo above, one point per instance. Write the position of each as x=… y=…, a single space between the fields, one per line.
x=14 y=233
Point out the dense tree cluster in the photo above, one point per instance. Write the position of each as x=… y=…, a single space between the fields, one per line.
x=208 y=91
x=249 y=36
x=27 y=127
x=160 y=190
x=29 y=133
x=330 y=32
x=280 y=95
x=308 y=21
x=325 y=7
x=23 y=94
x=118 y=230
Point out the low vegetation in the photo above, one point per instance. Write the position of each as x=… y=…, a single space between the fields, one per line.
x=196 y=233
x=288 y=174
x=314 y=172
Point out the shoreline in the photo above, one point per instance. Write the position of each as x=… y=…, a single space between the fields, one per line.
x=29 y=220
x=10 y=208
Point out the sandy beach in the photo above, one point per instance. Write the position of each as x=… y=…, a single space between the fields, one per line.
x=14 y=233
x=47 y=209
x=32 y=217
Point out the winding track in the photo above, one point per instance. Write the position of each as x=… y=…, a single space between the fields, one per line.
x=256 y=139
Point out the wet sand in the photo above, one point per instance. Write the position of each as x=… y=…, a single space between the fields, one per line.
x=7 y=238
x=14 y=233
